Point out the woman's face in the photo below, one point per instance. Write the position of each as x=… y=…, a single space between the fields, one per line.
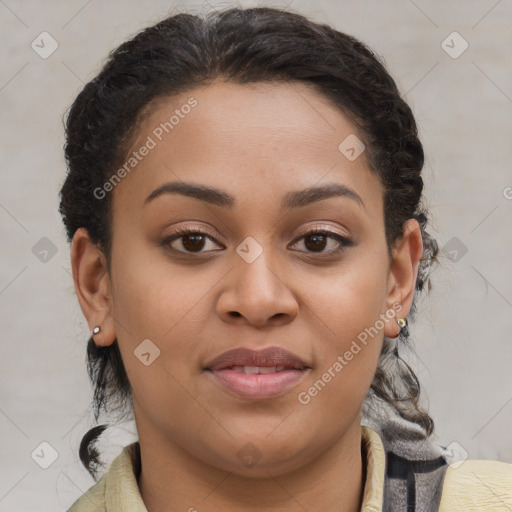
x=251 y=279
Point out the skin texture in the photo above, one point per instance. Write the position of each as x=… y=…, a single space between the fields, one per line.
x=257 y=142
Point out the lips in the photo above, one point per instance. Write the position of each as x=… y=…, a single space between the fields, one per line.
x=245 y=360
x=257 y=375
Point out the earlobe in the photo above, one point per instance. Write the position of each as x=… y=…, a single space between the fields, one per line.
x=92 y=286
x=403 y=273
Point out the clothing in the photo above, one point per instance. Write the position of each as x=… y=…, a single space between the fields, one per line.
x=404 y=473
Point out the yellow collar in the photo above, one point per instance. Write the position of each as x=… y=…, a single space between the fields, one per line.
x=373 y=495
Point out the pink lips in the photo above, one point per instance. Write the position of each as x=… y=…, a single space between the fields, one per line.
x=257 y=374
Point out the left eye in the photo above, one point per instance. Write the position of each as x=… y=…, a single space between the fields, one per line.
x=194 y=241
x=319 y=237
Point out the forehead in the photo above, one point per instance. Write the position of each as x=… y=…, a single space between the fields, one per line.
x=255 y=140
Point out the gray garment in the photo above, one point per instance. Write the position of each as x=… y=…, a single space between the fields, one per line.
x=415 y=468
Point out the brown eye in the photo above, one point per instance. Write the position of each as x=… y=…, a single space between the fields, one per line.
x=192 y=241
x=316 y=241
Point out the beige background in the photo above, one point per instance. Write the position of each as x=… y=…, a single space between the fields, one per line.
x=464 y=108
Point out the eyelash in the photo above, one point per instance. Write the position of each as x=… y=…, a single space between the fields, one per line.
x=180 y=232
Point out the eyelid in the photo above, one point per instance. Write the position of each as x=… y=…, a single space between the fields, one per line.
x=183 y=230
x=322 y=227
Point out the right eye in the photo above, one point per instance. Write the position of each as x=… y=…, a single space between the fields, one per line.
x=192 y=240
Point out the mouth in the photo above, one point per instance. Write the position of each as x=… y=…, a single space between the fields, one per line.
x=254 y=370
x=262 y=374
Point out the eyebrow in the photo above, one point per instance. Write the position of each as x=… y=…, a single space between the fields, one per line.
x=294 y=199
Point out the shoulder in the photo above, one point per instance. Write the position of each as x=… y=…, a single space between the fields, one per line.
x=117 y=489
x=477 y=485
x=92 y=499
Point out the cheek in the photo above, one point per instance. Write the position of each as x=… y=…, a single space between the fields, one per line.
x=347 y=311
x=351 y=298
x=153 y=301
x=345 y=367
x=152 y=297
x=152 y=308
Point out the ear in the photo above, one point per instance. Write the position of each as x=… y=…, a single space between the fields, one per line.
x=92 y=286
x=403 y=272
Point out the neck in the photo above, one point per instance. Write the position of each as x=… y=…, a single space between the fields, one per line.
x=173 y=480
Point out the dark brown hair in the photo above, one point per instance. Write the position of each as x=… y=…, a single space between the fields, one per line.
x=242 y=46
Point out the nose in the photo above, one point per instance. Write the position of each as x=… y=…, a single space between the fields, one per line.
x=257 y=294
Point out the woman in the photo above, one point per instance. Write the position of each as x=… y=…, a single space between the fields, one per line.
x=244 y=203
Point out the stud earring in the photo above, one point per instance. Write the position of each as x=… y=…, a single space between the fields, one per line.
x=96 y=330
x=402 y=323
